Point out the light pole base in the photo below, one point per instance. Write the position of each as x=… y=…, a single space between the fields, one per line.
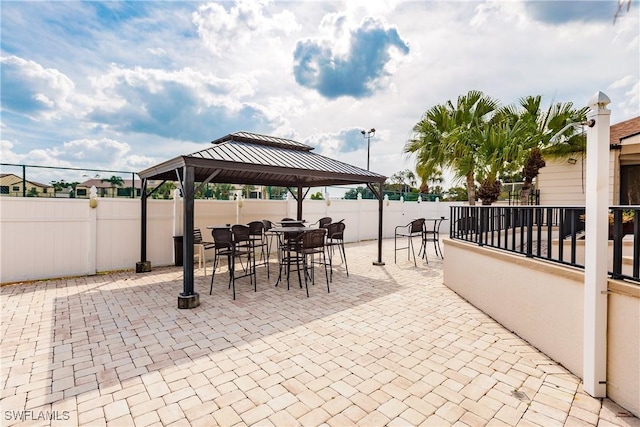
x=379 y=263
x=143 y=267
x=188 y=301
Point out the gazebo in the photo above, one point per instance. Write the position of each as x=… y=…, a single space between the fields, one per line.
x=248 y=158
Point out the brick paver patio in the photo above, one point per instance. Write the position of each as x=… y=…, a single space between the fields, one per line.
x=388 y=346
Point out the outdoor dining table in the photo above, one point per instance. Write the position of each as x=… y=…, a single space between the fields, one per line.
x=212 y=227
x=291 y=222
x=433 y=235
x=282 y=233
x=435 y=221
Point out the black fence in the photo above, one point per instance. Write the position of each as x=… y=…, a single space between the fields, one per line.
x=515 y=198
x=407 y=196
x=548 y=232
x=20 y=180
x=49 y=181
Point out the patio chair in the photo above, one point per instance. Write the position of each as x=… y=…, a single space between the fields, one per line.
x=414 y=229
x=288 y=246
x=258 y=241
x=243 y=245
x=312 y=243
x=268 y=235
x=323 y=222
x=202 y=247
x=335 y=237
x=223 y=247
x=233 y=243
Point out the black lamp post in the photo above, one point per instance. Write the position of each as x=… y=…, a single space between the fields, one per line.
x=368 y=135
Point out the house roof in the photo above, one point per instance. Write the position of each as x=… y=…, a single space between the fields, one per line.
x=13 y=178
x=99 y=183
x=623 y=130
x=249 y=158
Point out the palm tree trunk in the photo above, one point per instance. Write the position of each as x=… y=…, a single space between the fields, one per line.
x=471 y=189
x=526 y=190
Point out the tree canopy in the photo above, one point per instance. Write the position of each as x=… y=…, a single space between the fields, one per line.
x=481 y=141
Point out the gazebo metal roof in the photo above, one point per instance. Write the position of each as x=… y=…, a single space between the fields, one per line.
x=249 y=158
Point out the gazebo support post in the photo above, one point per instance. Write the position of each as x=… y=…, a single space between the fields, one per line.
x=378 y=192
x=143 y=266
x=299 y=199
x=188 y=298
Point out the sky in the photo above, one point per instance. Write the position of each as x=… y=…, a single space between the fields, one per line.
x=126 y=85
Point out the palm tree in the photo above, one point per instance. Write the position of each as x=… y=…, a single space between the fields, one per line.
x=115 y=181
x=247 y=189
x=402 y=181
x=222 y=191
x=498 y=155
x=429 y=181
x=165 y=190
x=448 y=136
x=541 y=128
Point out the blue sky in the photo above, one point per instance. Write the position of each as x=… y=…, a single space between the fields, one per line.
x=125 y=85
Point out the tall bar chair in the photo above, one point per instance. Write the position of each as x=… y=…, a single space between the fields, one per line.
x=414 y=229
x=335 y=238
x=223 y=247
x=243 y=247
x=312 y=243
x=259 y=242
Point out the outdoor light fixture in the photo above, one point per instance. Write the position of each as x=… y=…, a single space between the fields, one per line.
x=572 y=161
x=368 y=135
x=591 y=123
x=93 y=197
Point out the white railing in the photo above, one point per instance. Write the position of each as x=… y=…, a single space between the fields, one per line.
x=43 y=238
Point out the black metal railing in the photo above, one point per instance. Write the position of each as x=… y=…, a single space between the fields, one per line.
x=515 y=197
x=552 y=233
x=20 y=180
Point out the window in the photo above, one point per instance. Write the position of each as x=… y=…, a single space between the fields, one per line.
x=81 y=192
x=4 y=189
x=124 y=192
x=630 y=185
x=15 y=188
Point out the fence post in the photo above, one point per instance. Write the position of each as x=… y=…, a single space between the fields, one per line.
x=359 y=212
x=596 y=246
x=93 y=229
x=529 y=232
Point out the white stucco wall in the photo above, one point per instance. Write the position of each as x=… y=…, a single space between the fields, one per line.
x=543 y=297
x=42 y=238
x=623 y=355
x=544 y=306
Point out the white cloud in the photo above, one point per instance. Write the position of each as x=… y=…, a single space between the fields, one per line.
x=624 y=82
x=45 y=92
x=244 y=22
x=6 y=152
x=90 y=153
x=631 y=104
x=211 y=90
x=164 y=78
